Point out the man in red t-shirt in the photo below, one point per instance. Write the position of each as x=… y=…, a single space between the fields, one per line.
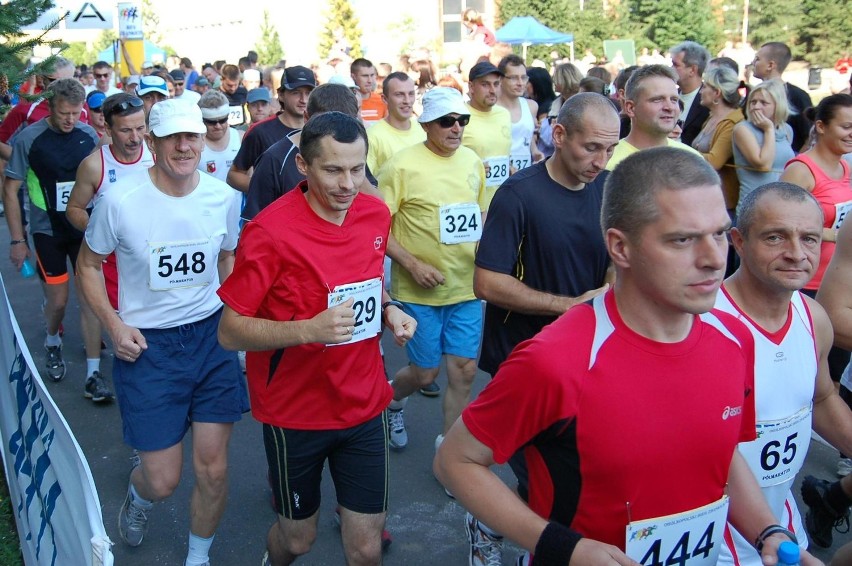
x=306 y=301
x=628 y=410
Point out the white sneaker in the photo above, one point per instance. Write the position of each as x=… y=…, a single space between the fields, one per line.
x=485 y=549
x=397 y=437
x=844 y=467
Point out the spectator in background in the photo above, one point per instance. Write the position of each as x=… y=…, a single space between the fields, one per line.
x=566 y=81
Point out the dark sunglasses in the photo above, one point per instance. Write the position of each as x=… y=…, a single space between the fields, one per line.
x=97 y=110
x=179 y=84
x=210 y=122
x=449 y=121
x=101 y=75
x=126 y=105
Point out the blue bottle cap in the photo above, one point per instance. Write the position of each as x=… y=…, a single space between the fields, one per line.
x=788 y=553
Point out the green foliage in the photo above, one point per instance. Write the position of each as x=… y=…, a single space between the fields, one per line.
x=776 y=20
x=10 y=546
x=825 y=31
x=341 y=29
x=665 y=23
x=268 y=45
x=17 y=47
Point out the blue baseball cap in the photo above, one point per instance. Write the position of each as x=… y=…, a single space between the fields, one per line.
x=95 y=99
x=152 y=83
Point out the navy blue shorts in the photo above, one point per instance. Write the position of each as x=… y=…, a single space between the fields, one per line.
x=357 y=458
x=184 y=376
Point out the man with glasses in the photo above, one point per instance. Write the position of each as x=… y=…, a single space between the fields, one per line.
x=221 y=142
x=436 y=194
x=490 y=130
x=26 y=113
x=523 y=111
x=47 y=154
x=181 y=92
x=127 y=154
x=103 y=79
x=293 y=96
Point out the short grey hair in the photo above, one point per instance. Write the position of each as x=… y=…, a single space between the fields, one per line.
x=693 y=54
x=785 y=191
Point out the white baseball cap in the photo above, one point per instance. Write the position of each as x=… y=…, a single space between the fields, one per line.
x=152 y=83
x=344 y=80
x=441 y=101
x=175 y=116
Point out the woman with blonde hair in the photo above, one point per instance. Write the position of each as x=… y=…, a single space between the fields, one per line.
x=720 y=94
x=566 y=82
x=762 y=142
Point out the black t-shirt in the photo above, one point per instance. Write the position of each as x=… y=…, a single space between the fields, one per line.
x=799 y=101
x=547 y=236
x=258 y=139
x=275 y=174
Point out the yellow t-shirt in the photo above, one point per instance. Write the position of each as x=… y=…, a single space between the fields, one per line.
x=415 y=184
x=489 y=134
x=624 y=149
x=385 y=141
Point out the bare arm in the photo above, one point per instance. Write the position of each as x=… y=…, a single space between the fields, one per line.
x=759 y=157
x=834 y=295
x=535 y=154
x=17 y=252
x=331 y=326
x=131 y=68
x=128 y=342
x=225 y=264
x=87 y=181
x=239 y=179
x=832 y=418
x=5 y=151
x=427 y=276
x=462 y=465
x=512 y=294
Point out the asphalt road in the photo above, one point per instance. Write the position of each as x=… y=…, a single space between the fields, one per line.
x=426 y=525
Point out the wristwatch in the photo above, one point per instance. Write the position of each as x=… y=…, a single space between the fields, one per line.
x=396 y=304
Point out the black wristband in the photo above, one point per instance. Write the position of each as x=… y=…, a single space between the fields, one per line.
x=396 y=304
x=768 y=532
x=13 y=242
x=555 y=545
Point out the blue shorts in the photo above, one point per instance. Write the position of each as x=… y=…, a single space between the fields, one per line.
x=184 y=376
x=357 y=459
x=451 y=329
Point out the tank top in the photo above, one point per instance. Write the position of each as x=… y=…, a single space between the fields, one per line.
x=522 y=135
x=835 y=198
x=113 y=169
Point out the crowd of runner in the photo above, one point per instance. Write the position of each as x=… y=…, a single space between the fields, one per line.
x=652 y=267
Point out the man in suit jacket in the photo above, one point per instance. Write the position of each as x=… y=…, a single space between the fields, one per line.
x=689 y=60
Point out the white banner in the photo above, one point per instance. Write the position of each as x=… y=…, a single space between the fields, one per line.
x=53 y=495
x=130 y=20
x=80 y=15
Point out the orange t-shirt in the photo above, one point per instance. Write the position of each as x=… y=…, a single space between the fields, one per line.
x=373 y=109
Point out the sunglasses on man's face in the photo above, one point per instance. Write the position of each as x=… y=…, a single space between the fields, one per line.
x=218 y=122
x=179 y=84
x=101 y=75
x=450 y=121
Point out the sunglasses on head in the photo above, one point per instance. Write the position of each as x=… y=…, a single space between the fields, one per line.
x=210 y=122
x=449 y=121
x=126 y=105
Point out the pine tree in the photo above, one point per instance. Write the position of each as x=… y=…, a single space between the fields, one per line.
x=825 y=30
x=342 y=29
x=776 y=20
x=268 y=46
x=665 y=23
x=14 y=52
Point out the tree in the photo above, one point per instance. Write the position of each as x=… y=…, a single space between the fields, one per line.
x=825 y=30
x=342 y=30
x=268 y=46
x=665 y=23
x=18 y=47
x=776 y=20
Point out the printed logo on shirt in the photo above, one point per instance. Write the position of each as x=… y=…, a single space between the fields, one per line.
x=731 y=412
x=112 y=175
x=377 y=243
x=780 y=356
x=211 y=166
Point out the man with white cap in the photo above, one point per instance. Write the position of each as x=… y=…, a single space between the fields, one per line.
x=130 y=84
x=152 y=89
x=174 y=231
x=436 y=194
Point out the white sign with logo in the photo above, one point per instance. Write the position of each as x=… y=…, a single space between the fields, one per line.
x=90 y=15
x=130 y=20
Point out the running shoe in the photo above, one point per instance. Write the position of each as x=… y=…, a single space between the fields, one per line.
x=485 y=549
x=132 y=521
x=821 y=519
x=96 y=389
x=55 y=364
x=398 y=437
x=431 y=390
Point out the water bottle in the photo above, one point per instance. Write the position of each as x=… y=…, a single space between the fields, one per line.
x=27 y=269
x=788 y=554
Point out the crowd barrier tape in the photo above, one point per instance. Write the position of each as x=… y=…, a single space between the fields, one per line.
x=53 y=494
